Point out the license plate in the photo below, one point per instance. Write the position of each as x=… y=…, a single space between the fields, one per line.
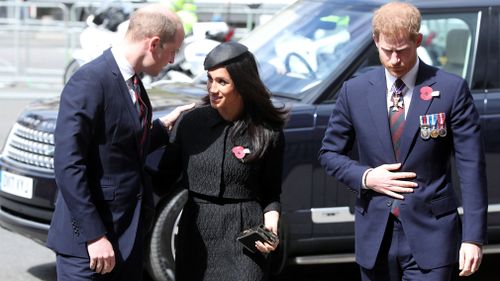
x=16 y=184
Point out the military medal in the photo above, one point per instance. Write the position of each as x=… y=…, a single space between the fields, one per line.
x=397 y=102
x=434 y=130
x=425 y=131
x=441 y=124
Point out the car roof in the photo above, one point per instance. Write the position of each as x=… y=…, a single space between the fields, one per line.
x=454 y=3
x=429 y=3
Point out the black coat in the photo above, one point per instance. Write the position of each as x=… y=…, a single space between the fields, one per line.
x=228 y=194
x=200 y=151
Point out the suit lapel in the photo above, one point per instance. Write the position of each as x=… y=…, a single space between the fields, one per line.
x=417 y=108
x=377 y=103
x=122 y=88
x=122 y=92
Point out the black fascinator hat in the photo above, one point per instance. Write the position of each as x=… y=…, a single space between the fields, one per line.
x=223 y=54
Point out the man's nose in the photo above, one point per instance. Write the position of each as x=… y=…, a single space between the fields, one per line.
x=394 y=58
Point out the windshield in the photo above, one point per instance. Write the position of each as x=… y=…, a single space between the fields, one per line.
x=306 y=43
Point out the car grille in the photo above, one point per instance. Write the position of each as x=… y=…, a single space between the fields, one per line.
x=31 y=146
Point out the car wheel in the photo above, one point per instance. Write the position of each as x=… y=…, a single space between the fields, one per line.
x=161 y=248
x=70 y=70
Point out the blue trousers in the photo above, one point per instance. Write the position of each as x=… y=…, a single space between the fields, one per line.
x=71 y=268
x=395 y=261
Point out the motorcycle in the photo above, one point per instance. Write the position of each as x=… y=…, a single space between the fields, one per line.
x=104 y=32
x=189 y=60
x=104 y=28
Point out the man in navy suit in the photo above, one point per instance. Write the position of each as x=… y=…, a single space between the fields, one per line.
x=104 y=131
x=407 y=120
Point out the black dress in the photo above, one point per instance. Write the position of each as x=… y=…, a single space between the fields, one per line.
x=227 y=196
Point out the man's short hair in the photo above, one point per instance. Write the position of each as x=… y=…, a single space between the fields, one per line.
x=154 y=20
x=397 y=20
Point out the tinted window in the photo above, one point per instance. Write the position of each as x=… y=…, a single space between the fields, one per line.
x=449 y=42
x=303 y=46
x=493 y=53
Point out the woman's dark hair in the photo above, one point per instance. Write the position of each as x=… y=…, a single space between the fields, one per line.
x=260 y=117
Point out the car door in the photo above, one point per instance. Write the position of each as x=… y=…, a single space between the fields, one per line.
x=297 y=172
x=491 y=124
x=467 y=45
x=332 y=212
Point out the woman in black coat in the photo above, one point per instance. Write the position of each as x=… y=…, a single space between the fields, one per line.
x=228 y=153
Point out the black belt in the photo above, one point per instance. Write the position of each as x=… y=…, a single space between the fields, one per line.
x=203 y=198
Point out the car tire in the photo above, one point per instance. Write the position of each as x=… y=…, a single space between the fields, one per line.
x=161 y=249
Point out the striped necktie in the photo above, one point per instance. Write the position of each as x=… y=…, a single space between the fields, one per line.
x=142 y=108
x=397 y=115
x=397 y=123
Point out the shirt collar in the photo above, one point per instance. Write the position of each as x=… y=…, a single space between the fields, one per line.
x=125 y=67
x=215 y=119
x=409 y=78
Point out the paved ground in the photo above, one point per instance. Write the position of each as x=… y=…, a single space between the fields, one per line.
x=23 y=259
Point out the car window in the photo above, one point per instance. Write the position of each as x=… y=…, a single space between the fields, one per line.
x=303 y=46
x=449 y=42
x=493 y=53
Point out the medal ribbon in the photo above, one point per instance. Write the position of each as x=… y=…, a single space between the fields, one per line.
x=432 y=120
x=441 y=117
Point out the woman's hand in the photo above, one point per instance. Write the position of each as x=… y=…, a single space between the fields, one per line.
x=271 y=219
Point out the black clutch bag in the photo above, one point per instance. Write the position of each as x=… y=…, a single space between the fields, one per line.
x=258 y=233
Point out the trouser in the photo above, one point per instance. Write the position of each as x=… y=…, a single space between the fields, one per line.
x=395 y=261
x=71 y=268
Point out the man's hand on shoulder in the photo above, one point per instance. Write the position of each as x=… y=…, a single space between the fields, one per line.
x=168 y=120
x=102 y=255
x=387 y=180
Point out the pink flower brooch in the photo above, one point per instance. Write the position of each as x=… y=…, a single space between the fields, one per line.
x=427 y=93
x=240 y=152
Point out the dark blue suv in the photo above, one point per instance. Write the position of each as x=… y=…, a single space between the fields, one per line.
x=305 y=53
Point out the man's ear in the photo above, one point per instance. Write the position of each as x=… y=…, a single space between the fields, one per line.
x=419 y=39
x=375 y=39
x=154 y=43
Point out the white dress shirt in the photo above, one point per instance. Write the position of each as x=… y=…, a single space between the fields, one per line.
x=126 y=70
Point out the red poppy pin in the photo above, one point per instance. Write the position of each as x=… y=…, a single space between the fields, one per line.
x=426 y=93
x=240 y=152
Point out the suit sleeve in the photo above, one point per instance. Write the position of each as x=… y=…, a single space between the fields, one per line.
x=470 y=165
x=80 y=105
x=338 y=142
x=159 y=135
x=164 y=163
